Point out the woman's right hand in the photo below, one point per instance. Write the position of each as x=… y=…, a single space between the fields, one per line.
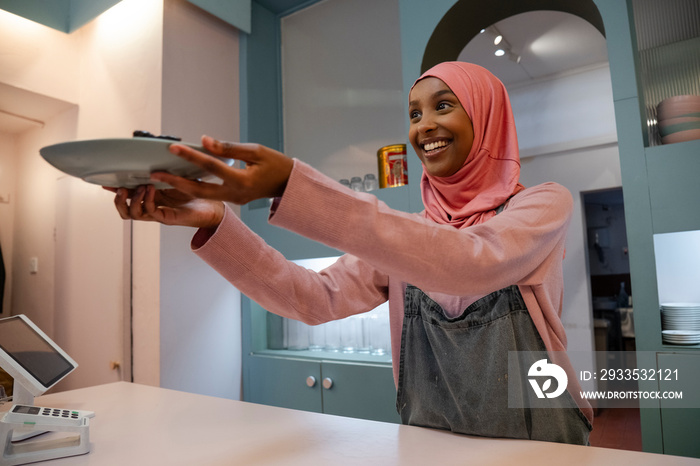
x=167 y=206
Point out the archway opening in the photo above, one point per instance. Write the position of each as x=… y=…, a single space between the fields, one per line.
x=467 y=18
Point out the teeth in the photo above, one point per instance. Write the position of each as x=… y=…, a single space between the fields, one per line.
x=434 y=145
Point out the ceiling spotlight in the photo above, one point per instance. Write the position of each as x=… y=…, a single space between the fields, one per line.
x=500 y=52
x=497 y=40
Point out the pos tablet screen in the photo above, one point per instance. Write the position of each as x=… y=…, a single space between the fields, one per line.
x=30 y=357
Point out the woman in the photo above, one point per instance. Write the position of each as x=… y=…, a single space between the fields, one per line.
x=473 y=278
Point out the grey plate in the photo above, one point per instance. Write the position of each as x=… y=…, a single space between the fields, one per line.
x=126 y=162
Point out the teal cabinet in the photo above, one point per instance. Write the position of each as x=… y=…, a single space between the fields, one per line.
x=282 y=382
x=673 y=186
x=356 y=385
x=350 y=389
x=660 y=192
x=369 y=386
x=680 y=419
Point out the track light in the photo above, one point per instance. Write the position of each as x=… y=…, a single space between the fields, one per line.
x=504 y=48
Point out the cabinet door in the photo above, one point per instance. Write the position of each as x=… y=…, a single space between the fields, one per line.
x=283 y=382
x=680 y=424
x=360 y=390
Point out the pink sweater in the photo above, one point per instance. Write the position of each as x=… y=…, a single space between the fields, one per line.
x=386 y=249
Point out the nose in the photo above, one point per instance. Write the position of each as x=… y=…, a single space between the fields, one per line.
x=426 y=125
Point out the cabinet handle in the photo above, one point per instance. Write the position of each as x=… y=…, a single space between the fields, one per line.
x=310 y=381
x=327 y=383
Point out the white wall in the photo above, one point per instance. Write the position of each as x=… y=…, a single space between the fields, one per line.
x=565 y=112
x=113 y=70
x=110 y=70
x=678 y=266
x=7 y=211
x=200 y=332
x=121 y=90
x=29 y=53
x=35 y=220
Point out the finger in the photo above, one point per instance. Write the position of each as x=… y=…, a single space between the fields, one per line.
x=246 y=152
x=207 y=162
x=121 y=204
x=149 y=204
x=151 y=210
x=193 y=188
x=136 y=206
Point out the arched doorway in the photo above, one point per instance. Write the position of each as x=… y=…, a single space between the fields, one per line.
x=467 y=18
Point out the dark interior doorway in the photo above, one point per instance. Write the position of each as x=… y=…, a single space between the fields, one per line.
x=609 y=270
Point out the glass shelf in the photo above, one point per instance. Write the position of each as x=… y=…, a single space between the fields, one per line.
x=668 y=43
x=364 y=337
x=328 y=356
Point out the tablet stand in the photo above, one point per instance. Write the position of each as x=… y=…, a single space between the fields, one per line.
x=20 y=395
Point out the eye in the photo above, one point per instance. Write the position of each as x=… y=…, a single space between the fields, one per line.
x=443 y=105
x=414 y=114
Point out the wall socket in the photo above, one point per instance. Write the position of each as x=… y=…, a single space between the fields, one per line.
x=34 y=265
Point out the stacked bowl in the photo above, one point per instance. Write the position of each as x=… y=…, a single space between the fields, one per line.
x=679 y=118
x=680 y=323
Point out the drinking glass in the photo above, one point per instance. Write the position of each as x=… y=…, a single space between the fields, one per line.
x=297 y=335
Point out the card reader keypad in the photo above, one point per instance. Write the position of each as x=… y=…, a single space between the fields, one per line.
x=37 y=415
x=49 y=412
x=61 y=413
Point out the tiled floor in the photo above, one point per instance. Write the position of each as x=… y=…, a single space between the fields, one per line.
x=617 y=428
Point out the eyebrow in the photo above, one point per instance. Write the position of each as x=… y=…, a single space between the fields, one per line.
x=437 y=94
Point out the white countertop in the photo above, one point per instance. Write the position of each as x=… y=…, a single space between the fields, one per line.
x=142 y=425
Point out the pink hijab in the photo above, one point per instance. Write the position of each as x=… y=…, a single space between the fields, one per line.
x=491 y=171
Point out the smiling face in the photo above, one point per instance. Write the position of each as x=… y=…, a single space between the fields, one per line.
x=440 y=130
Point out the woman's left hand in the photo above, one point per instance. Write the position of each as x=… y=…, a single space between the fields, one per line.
x=265 y=173
x=167 y=206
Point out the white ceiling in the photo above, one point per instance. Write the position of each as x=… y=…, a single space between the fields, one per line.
x=549 y=43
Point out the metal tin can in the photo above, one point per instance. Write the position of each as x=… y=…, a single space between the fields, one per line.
x=393 y=166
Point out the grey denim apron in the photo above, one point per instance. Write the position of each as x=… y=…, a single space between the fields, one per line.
x=453 y=372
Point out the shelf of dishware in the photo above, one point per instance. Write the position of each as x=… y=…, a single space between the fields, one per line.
x=678 y=268
x=672 y=93
x=667 y=41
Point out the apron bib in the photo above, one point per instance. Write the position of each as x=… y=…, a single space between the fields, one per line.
x=453 y=372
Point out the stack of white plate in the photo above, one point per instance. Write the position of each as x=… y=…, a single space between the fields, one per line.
x=680 y=323
x=679 y=118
